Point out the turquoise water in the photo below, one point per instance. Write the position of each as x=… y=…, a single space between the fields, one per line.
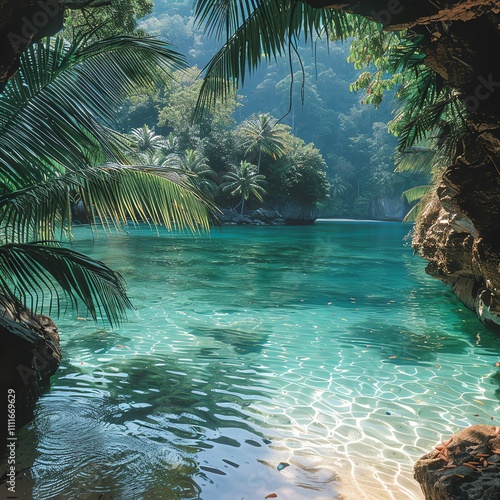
x=324 y=347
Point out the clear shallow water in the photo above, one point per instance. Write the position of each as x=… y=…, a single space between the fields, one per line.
x=323 y=347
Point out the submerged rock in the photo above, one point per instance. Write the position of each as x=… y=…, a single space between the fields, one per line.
x=466 y=467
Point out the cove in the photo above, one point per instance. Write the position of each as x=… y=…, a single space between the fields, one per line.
x=310 y=362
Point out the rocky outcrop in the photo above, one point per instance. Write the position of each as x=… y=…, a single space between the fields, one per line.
x=467 y=466
x=32 y=357
x=259 y=217
x=392 y=208
x=461 y=256
x=296 y=213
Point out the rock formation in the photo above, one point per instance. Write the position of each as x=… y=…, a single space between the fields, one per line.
x=465 y=466
x=32 y=356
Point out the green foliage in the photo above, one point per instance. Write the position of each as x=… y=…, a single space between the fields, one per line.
x=261 y=134
x=199 y=173
x=118 y=18
x=255 y=32
x=57 y=147
x=371 y=48
x=146 y=140
x=243 y=182
x=177 y=104
x=300 y=173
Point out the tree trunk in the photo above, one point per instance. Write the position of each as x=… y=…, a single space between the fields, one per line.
x=258 y=161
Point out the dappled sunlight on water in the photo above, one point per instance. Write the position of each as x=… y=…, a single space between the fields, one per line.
x=325 y=348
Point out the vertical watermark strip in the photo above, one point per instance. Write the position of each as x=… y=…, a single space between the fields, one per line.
x=11 y=440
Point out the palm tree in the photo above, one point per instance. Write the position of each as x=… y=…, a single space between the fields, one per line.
x=262 y=134
x=56 y=143
x=171 y=144
x=243 y=183
x=337 y=186
x=195 y=165
x=146 y=141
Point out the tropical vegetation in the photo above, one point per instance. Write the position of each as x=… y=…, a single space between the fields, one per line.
x=255 y=32
x=59 y=149
x=309 y=91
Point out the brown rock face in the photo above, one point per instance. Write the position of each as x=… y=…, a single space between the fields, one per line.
x=29 y=357
x=467 y=466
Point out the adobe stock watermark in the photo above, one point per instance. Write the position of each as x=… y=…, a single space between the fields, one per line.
x=11 y=440
x=482 y=92
x=384 y=16
x=31 y=26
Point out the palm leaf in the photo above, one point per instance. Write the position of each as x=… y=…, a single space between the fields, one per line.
x=416 y=159
x=256 y=31
x=416 y=193
x=58 y=109
x=157 y=195
x=43 y=275
x=113 y=194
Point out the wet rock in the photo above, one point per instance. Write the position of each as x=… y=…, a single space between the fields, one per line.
x=265 y=215
x=466 y=467
x=30 y=356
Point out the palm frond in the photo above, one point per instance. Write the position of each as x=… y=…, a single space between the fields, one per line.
x=113 y=195
x=416 y=159
x=416 y=193
x=44 y=276
x=157 y=195
x=256 y=31
x=58 y=109
x=37 y=211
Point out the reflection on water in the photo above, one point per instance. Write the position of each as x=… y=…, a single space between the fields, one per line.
x=324 y=347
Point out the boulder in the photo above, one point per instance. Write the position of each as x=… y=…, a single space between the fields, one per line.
x=465 y=467
x=265 y=215
x=30 y=356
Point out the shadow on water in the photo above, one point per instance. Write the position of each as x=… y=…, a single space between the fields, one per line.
x=135 y=427
x=243 y=342
x=399 y=345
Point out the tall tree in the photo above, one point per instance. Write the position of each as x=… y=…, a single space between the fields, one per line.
x=243 y=183
x=262 y=134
